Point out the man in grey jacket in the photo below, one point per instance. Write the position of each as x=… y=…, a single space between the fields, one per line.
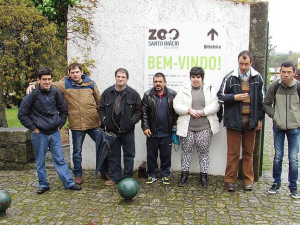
x=282 y=105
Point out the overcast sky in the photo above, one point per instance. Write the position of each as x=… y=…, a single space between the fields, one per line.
x=284 y=24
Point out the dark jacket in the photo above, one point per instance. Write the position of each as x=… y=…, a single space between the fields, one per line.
x=149 y=110
x=46 y=112
x=82 y=102
x=130 y=108
x=231 y=86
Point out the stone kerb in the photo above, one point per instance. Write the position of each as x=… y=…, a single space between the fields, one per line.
x=15 y=148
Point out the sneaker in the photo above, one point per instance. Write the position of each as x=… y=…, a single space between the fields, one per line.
x=151 y=180
x=42 y=190
x=165 y=180
x=109 y=183
x=274 y=189
x=294 y=193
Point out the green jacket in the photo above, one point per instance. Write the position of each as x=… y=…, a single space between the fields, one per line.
x=286 y=112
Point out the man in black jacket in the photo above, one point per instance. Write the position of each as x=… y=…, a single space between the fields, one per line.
x=158 y=119
x=120 y=110
x=44 y=112
x=241 y=92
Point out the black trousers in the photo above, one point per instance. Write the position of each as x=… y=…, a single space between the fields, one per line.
x=164 y=146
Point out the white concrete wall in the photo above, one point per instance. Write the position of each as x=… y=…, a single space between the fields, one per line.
x=119 y=31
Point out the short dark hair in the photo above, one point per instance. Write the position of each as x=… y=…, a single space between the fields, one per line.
x=44 y=71
x=288 y=64
x=159 y=74
x=246 y=53
x=73 y=66
x=198 y=71
x=122 y=70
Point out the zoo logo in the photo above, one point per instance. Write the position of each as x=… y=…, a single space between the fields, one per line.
x=162 y=34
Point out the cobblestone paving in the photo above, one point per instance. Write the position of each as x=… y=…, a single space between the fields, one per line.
x=154 y=204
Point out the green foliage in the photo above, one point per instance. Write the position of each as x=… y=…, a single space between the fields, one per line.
x=56 y=11
x=12 y=118
x=71 y=24
x=276 y=59
x=27 y=43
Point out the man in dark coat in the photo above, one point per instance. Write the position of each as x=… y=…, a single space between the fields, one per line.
x=44 y=112
x=158 y=120
x=241 y=92
x=120 y=110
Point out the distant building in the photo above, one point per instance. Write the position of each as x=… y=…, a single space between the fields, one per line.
x=274 y=73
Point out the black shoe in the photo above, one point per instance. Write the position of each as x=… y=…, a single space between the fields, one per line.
x=248 y=187
x=294 y=193
x=229 y=187
x=75 y=187
x=42 y=190
x=203 y=179
x=274 y=189
x=184 y=178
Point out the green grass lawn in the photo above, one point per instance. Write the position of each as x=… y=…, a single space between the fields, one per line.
x=12 y=118
x=13 y=121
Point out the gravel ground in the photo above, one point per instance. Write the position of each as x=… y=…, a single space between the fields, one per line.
x=154 y=204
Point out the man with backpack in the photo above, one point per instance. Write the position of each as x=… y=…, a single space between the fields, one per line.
x=282 y=105
x=82 y=97
x=44 y=112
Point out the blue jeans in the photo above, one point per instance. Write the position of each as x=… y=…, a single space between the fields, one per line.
x=40 y=143
x=77 y=139
x=293 y=149
x=114 y=156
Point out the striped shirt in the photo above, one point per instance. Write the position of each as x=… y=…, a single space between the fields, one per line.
x=246 y=102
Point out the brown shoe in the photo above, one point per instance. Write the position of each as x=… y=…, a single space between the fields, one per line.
x=105 y=177
x=229 y=186
x=78 y=180
x=248 y=187
x=109 y=183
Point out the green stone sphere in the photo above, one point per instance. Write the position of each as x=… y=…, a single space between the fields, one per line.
x=128 y=188
x=5 y=201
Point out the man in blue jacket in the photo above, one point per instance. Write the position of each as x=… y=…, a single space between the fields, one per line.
x=241 y=92
x=44 y=112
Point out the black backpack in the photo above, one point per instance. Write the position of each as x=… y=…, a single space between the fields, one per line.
x=35 y=93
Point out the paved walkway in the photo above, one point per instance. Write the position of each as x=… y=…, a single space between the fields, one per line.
x=155 y=204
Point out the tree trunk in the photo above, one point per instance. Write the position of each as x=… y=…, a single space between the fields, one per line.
x=3 y=122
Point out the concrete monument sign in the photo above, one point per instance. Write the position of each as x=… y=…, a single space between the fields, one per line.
x=131 y=33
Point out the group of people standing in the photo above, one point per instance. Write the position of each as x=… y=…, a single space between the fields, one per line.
x=192 y=112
